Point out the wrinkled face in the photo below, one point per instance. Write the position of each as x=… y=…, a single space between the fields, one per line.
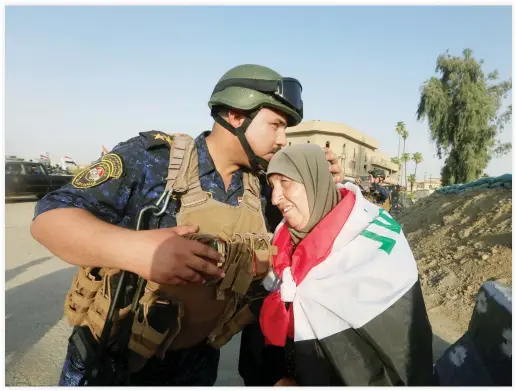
x=291 y=199
x=266 y=134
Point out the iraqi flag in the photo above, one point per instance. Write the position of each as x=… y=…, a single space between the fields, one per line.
x=350 y=300
x=44 y=156
x=68 y=160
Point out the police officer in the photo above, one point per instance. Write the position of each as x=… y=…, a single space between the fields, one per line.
x=395 y=195
x=376 y=178
x=88 y=222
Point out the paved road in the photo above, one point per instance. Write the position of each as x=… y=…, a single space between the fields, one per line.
x=35 y=285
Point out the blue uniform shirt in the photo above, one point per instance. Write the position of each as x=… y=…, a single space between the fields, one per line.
x=384 y=193
x=145 y=163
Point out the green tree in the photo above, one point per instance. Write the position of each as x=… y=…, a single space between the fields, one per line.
x=395 y=160
x=412 y=180
x=418 y=158
x=485 y=175
x=405 y=157
x=462 y=108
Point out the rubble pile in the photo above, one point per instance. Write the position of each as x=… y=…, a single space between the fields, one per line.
x=460 y=241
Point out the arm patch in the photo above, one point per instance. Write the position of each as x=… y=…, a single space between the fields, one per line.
x=109 y=166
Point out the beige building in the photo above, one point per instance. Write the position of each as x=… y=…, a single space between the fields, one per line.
x=430 y=184
x=357 y=152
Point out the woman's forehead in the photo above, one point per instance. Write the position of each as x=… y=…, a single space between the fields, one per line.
x=276 y=176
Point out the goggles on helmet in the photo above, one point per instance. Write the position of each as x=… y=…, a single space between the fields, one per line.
x=286 y=90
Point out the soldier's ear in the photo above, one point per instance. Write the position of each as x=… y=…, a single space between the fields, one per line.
x=235 y=117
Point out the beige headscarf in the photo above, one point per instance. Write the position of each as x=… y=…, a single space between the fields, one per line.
x=307 y=164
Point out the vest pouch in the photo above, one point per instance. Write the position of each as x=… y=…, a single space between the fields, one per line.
x=97 y=313
x=156 y=324
x=229 y=311
x=263 y=253
x=233 y=326
x=215 y=242
x=85 y=285
x=230 y=268
x=245 y=273
x=262 y=260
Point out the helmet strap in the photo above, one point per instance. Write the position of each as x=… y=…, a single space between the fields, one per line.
x=258 y=164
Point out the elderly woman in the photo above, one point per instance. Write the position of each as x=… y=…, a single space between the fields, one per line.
x=345 y=301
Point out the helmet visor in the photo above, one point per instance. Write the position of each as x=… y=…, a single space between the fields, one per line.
x=289 y=90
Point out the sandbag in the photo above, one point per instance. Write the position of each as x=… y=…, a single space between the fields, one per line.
x=503 y=178
x=483 y=181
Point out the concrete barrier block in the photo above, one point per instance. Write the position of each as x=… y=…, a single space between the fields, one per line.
x=460 y=365
x=490 y=330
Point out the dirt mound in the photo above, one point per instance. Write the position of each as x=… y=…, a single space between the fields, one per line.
x=460 y=241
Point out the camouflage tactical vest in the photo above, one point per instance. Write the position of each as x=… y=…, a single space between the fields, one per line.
x=175 y=317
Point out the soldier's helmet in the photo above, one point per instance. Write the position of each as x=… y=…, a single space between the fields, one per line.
x=250 y=87
x=377 y=173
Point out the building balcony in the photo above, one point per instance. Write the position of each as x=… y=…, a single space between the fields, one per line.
x=384 y=163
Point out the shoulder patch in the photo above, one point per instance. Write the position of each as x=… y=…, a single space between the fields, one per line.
x=109 y=166
x=156 y=138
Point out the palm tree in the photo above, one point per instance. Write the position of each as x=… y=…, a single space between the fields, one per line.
x=405 y=157
x=418 y=158
x=404 y=136
x=412 y=180
x=396 y=161
x=400 y=130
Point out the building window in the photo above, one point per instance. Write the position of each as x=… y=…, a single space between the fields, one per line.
x=308 y=142
x=354 y=153
x=289 y=143
x=327 y=144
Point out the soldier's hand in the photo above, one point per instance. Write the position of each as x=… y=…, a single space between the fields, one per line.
x=285 y=382
x=175 y=260
x=335 y=168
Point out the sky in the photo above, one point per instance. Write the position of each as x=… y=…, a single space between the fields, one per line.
x=78 y=78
